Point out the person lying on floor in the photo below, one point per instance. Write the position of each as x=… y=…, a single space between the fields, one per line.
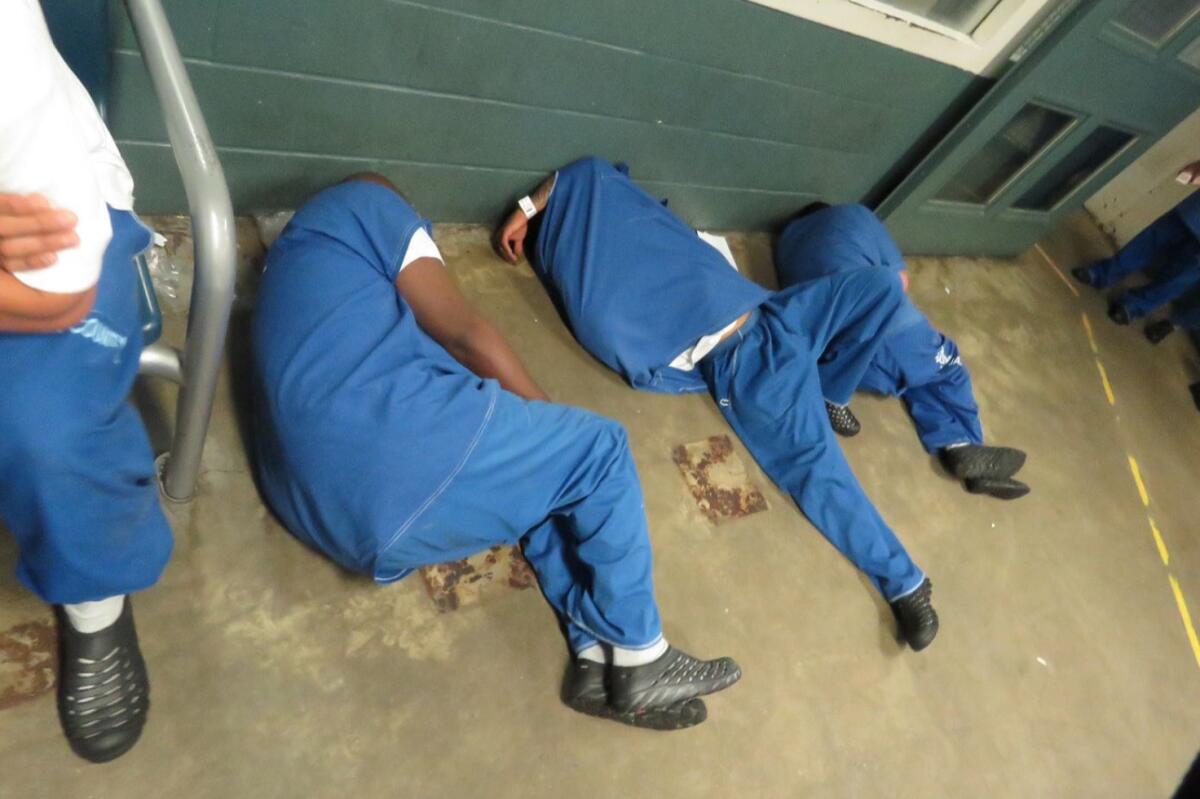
x=652 y=301
x=1173 y=243
x=915 y=361
x=395 y=429
x=77 y=481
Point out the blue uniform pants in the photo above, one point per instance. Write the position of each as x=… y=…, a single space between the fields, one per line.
x=924 y=368
x=766 y=382
x=77 y=482
x=562 y=481
x=1169 y=241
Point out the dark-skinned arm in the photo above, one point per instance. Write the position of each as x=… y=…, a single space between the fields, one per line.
x=509 y=240
x=444 y=313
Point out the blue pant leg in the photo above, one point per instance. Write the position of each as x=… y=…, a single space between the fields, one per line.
x=768 y=388
x=77 y=482
x=934 y=384
x=1157 y=240
x=844 y=317
x=563 y=480
x=1180 y=275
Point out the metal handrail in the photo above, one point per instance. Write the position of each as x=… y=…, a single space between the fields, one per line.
x=215 y=242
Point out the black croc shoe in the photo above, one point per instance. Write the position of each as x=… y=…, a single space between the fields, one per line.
x=584 y=690
x=917 y=619
x=998 y=487
x=842 y=419
x=1084 y=275
x=675 y=677
x=1119 y=314
x=103 y=690
x=972 y=461
x=1157 y=331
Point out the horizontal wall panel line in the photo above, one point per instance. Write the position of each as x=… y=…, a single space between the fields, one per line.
x=533 y=173
x=400 y=89
x=633 y=51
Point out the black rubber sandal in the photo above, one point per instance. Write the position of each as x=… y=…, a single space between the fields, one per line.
x=584 y=691
x=972 y=461
x=103 y=688
x=917 y=619
x=675 y=677
x=998 y=487
x=842 y=419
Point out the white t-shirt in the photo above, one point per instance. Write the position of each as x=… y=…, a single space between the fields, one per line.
x=53 y=142
x=686 y=361
x=420 y=246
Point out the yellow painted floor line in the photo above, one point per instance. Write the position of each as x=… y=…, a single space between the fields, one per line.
x=1158 y=542
x=1087 y=326
x=1137 y=478
x=1187 y=617
x=1057 y=271
x=1108 y=392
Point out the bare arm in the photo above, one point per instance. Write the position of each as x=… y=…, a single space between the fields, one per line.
x=510 y=238
x=443 y=313
x=27 y=310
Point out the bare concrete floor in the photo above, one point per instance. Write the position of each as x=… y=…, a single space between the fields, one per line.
x=1062 y=670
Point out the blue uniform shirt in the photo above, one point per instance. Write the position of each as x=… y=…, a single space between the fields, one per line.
x=1189 y=211
x=839 y=239
x=636 y=284
x=362 y=418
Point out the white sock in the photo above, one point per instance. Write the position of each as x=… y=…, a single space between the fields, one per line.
x=92 y=617
x=594 y=653
x=956 y=446
x=639 y=657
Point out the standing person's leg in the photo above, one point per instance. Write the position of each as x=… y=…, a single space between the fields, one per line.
x=78 y=490
x=1165 y=233
x=563 y=480
x=765 y=381
x=1180 y=275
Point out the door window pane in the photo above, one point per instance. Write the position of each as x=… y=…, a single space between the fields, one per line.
x=1070 y=173
x=963 y=16
x=1025 y=135
x=1158 y=21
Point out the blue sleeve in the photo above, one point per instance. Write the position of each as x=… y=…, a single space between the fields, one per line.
x=372 y=220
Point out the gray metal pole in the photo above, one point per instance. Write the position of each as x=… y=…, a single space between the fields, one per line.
x=214 y=239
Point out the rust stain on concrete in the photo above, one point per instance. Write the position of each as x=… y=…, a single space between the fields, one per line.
x=717 y=479
x=28 y=665
x=462 y=582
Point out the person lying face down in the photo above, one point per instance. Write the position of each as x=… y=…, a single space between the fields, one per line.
x=652 y=301
x=915 y=361
x=397 y=429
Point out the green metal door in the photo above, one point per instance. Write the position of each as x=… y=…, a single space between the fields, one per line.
x=1096 y=87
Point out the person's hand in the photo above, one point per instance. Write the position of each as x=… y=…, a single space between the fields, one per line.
x=510 y=238
x=1190 y=174
x=32 y=232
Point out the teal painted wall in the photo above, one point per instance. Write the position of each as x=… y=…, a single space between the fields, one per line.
x=737 y=113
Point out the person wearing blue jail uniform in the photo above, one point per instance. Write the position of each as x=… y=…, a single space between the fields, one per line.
x=78 y=489
x=396 y=429
x=1172 y=242
x=655 y=303
x=914 y=361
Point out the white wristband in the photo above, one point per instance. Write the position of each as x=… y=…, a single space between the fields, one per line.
x=527 y=207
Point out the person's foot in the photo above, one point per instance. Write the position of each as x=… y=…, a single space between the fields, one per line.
x=1157 y=331
x=675 y=677
x=915 y=614
x=103 y=688
x=1194 y=388
x=972 y=461
x=584 y=691
x=1119 y=313
x=998 y=487
x=1084 y=275
x=842 y=419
